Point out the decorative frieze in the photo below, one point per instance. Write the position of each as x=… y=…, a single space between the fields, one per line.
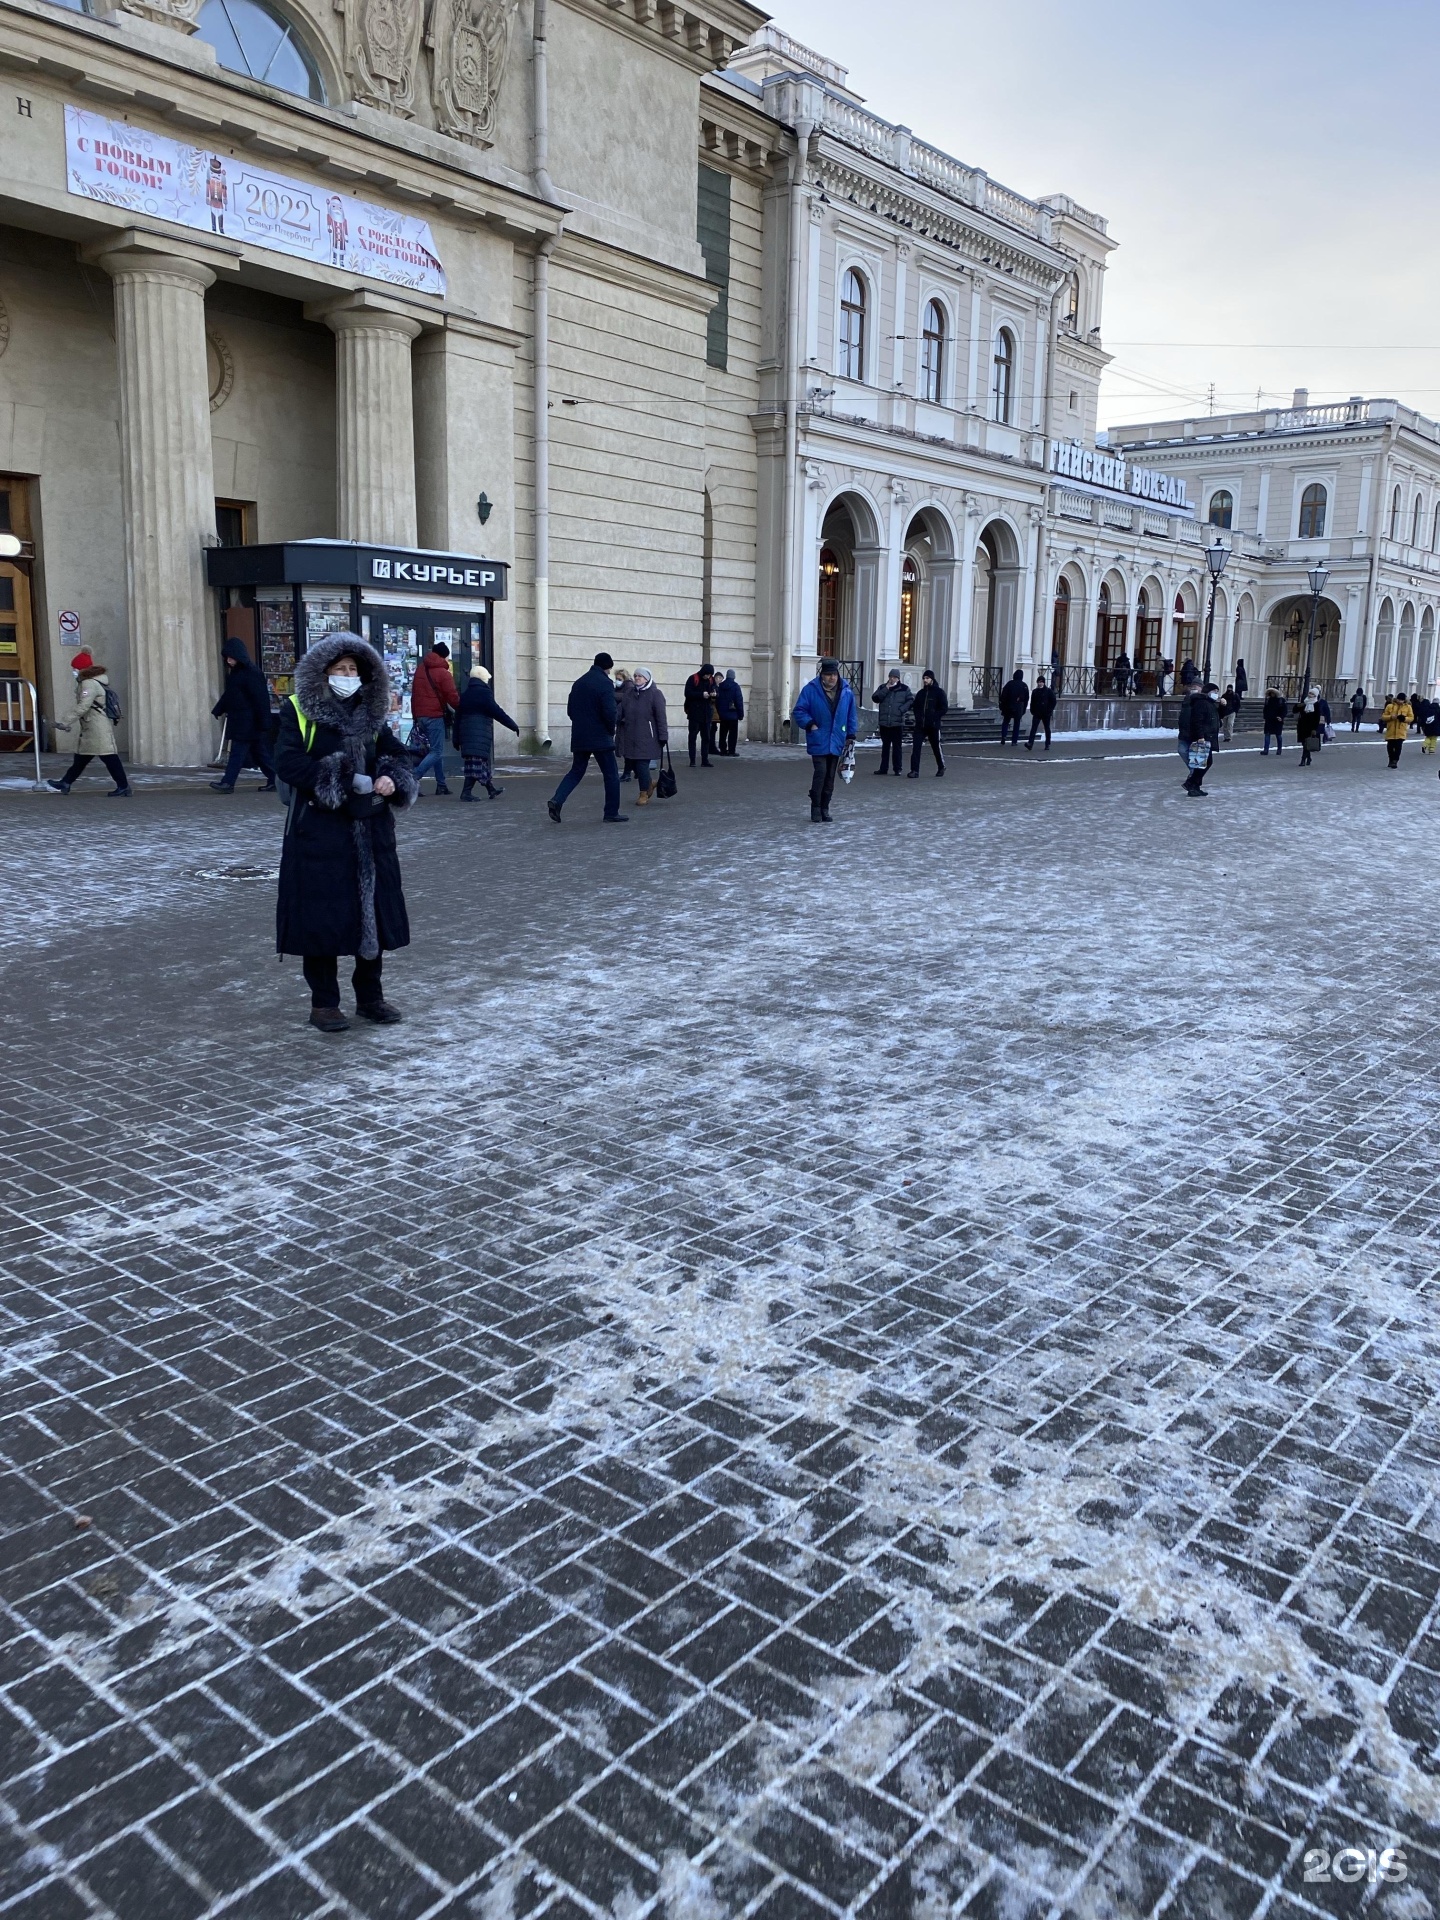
x=469 y=41
x=382 y=51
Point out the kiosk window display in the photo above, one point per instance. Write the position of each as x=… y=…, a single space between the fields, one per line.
x=278 y=599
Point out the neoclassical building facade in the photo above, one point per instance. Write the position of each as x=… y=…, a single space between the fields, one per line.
x=548 y=324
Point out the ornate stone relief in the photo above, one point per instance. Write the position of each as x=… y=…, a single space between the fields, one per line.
x=183 y=15
x=470 y=45
x=220 y=364
x=382 y=50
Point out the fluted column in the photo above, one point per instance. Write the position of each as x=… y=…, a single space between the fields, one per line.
x=167 y=498
x=374 y=425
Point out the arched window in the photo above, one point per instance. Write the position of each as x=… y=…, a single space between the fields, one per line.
x=827 y=623
x=1003 y=391
x=252 y=38
x=1222 y=508
x=1416 y=517
x=909 y=599
x=1395 y=514
x=1313 y=502
x=1435 y=529
x=852 y=326
x=1072 y=303
x=932 y=354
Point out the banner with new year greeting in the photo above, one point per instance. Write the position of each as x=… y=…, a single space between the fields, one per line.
x=217 y=193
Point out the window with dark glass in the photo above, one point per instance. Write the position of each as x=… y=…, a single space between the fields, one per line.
x=852 y=326
x=252 y=38
x=1395 y=514
x=1003 y=389
x=1416 y=517
x=1072 y=303
x=1222 y=508
x=932 y=354
x=1313 y=502
x=713 y=232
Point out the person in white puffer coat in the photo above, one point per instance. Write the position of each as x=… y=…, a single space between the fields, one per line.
x=96 y=730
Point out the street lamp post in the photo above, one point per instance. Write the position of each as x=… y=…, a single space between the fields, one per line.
x=1216 y=557
x=1317 y=576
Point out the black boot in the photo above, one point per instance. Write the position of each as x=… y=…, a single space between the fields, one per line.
x=329 y=1020
x=58 y=786
x=493 y=791
x=381 y=1012
x=816 y=816
x=467 y=792
x=221 y=786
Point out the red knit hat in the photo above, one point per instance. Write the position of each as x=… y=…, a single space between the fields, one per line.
x=81 y=661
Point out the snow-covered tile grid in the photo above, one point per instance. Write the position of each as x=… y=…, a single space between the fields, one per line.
x=886 y=1372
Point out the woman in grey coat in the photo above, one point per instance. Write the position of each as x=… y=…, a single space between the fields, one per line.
x=642 y=729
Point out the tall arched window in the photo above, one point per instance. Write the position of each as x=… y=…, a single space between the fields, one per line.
x=1222 y=507
x=1395 y=514
x=252 y=38
x=1416 y=519
x=909 y=599
x=827 y=622
x=1003 y=391
x=1313 y=502
x=852 y=326
x=1072 y=303
x=1060 y=623
x=1435 y=529
x=932 y=354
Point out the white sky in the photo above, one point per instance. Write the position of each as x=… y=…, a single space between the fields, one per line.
x=1269 y=170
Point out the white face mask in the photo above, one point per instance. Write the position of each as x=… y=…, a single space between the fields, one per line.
x=344 y=685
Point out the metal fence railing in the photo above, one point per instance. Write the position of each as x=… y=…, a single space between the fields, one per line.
x=1292 y=687
x=20 y=715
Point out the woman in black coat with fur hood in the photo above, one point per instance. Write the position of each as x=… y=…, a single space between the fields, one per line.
x=339 y=873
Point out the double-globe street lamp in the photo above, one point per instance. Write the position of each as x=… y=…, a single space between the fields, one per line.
x=1317 y=576
x=1216 y=558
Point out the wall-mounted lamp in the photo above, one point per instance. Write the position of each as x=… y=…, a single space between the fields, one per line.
x=484 y=508
x=10 y=546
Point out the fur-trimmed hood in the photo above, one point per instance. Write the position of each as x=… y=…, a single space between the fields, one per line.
x=318 y=703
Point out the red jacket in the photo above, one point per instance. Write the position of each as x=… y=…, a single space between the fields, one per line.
x=433 y=689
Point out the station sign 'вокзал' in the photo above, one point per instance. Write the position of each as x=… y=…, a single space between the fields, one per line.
x=1115 y=474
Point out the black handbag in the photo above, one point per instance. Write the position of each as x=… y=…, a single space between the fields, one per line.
x=666 y=785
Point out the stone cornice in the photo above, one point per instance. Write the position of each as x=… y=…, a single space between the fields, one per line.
x=736 y=136
x=980 y=240
x=638 y=275
x=701 y=34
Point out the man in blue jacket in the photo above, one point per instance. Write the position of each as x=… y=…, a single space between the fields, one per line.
x=826 y=710
x=592 y=737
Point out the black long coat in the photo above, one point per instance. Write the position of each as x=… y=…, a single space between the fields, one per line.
x=334 y=834
x=475 y=719
x=245 y=703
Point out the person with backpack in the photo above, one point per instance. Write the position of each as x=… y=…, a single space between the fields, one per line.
x=434 y=696
x=1042 y=710
x=340 y=890
x=730 y=706
x=475 y=719
x=931 y=707
x=1358 y=704
x=1430 y=727
x=894 y=702
x=1274 y=718
x=97 y=709
x=245 y=706
x=829 y=718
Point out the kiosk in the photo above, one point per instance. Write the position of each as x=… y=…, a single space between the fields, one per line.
x=277 y=599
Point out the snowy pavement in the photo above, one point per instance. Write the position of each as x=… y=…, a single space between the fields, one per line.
x=883 y=1370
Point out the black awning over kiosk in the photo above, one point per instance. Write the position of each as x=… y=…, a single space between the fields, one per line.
x=279 y=599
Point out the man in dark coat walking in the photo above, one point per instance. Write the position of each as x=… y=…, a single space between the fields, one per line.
x=245 y=703
x=1042 y=707
x=592 y=713
x=893 y=700
x=1014 y=699
x=931 y=707
x=1199 y=723
x=339 y=872
x=699 y=701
